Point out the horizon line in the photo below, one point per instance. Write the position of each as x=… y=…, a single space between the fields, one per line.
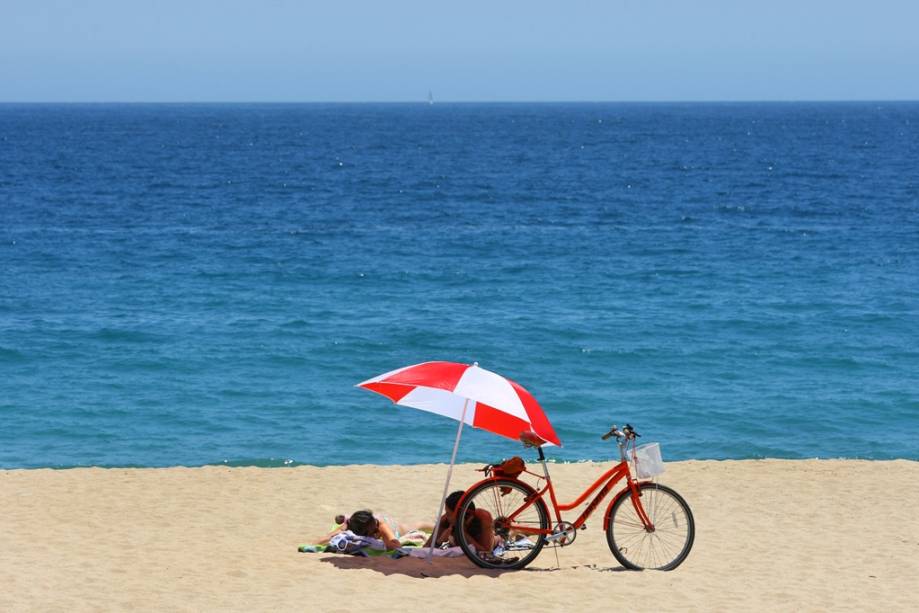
x=426 y=102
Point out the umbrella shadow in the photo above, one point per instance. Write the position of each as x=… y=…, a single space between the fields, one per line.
x=440 y=567
x=413 y=567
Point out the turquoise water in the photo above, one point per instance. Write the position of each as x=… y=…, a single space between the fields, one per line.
x=197 y=284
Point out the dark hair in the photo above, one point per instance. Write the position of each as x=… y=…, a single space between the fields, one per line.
x=454 y=498
x=362 y=523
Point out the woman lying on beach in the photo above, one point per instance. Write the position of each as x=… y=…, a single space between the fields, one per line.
x=392 y=533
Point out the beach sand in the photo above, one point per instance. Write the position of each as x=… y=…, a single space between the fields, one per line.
x=771 y=535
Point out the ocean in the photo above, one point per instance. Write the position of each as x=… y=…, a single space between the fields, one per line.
x=205 y=284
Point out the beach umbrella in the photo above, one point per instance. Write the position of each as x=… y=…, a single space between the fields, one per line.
x=471 y=395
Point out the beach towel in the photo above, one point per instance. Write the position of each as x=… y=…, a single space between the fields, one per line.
x=348 y=542
x=353 y=544
x=414 y=552
x=365 y=546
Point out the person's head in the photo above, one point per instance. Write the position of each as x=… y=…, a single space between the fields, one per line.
x=362 y=523
x=453 y=500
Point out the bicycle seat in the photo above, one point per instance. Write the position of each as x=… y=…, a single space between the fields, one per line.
x=531 y=439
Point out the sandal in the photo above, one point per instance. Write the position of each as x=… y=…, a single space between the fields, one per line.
x=493 y=559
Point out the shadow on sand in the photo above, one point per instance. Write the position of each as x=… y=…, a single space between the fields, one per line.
x=439 y=567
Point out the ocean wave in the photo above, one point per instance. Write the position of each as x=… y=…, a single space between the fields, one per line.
x=12 y=356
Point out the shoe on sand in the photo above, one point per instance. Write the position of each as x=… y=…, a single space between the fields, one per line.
x=521 y=543
x=493 y=559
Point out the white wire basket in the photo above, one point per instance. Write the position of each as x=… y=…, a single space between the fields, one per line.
x=647 y=460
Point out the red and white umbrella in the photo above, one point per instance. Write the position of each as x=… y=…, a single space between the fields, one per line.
x=470 y=395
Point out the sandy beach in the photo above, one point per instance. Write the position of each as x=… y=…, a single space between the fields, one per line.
x=771 y=535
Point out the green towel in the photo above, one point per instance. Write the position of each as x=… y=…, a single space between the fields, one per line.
x=310 y=548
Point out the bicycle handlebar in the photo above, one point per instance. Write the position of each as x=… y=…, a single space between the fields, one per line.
x=627 y=432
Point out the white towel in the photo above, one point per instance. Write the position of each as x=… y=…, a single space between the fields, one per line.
x=348 y=542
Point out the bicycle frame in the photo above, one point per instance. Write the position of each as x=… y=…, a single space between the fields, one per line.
x=605 y=483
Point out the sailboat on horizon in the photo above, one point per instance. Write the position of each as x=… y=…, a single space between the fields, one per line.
x=430 y=97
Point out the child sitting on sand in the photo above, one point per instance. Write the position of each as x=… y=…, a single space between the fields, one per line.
x=479 y=528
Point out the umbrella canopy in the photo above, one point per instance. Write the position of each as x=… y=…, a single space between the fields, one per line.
x=467 y=393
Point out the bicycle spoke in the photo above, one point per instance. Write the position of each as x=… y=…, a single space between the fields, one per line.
x=669 y=539
x=633 y=524
x=630 y=540
x=663 y=508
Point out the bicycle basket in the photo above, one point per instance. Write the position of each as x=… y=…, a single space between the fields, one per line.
x=648 y=461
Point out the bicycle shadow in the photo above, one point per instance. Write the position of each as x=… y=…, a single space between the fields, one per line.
x=593 y=567
x=412 y=567
x=439 y=567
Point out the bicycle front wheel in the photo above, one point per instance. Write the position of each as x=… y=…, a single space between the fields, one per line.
x=495 y=518
x=663 y=548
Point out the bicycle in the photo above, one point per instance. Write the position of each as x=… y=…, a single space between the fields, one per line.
x=648 y=525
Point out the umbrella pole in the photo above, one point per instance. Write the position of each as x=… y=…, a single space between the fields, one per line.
x=443 y=499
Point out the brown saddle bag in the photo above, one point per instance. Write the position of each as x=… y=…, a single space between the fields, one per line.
x=510 y=468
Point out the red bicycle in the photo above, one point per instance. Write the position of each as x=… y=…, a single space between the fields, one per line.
x=648 y=525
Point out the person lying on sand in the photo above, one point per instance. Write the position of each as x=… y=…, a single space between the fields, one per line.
x=365 y=523
x=479 y=528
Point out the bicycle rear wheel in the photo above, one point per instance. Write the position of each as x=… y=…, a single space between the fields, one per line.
x=667 y=545
x=489 y=538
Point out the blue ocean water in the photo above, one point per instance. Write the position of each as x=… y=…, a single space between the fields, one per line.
x=197 y=284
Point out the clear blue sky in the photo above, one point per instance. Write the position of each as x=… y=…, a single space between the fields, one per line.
x=286 y=50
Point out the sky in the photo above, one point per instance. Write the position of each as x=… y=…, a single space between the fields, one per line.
x=469 y=50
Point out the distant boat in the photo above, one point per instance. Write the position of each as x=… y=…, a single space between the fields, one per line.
x=430 y=97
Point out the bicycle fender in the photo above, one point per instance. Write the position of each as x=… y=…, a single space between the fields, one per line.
x=619 y=495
